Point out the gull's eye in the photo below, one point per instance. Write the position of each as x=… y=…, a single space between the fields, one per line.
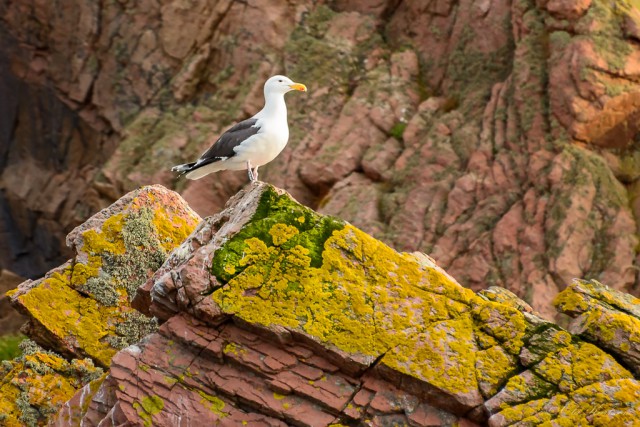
x=280 y=80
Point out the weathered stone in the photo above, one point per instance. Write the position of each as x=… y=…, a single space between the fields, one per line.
x=38 y=383
x=517 y=168
x=276 y=315
x=329 y=324
x=82 y=309
x=606 y=317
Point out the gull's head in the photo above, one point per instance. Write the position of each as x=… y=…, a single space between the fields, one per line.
x=282 y=85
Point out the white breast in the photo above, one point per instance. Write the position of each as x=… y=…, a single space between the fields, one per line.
x=265 y=146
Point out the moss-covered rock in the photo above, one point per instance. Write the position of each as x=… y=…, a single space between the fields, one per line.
x=283 y=268
x=82 y=309
x=331 y=317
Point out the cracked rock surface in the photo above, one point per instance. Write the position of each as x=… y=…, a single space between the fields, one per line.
x=81 y=310
x=500 y=137
x=275 y=315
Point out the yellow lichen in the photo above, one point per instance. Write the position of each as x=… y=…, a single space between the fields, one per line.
x=213 y=403
x=365 y=298
x=107 y=239
x=86 y=303
x=347 y=290
x=570 y=301
x=524 y=411
x=493 y=367
x=68 y=314
x=171 y=229
x=38 y=383
x=504 y=323
x=230 y=348
x=281 y=233
x=562 y=337
x=148 y=407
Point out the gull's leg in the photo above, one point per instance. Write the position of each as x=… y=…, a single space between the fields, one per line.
x=249 y=171
x=255 y=172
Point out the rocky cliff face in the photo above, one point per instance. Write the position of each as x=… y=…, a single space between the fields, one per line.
x=500 y=137
x=275 y=315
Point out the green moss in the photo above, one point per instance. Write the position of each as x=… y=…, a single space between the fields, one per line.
x=583 y=173
x=398 y=130
x=360 y=296
x=559 y=40
x=607 y=37
x=273 y=209
x=313 y=56
x=473 y=72
x=365 y=299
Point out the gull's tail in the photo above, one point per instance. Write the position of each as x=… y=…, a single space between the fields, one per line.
x=184 y=168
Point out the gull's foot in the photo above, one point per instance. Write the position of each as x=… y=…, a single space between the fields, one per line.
x=252 y=178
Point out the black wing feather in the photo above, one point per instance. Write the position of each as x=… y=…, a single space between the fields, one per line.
x=223 y=147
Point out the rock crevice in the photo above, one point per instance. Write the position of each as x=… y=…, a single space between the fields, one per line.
x=272 y=314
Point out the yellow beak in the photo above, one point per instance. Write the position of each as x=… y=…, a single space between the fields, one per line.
x=298 y=86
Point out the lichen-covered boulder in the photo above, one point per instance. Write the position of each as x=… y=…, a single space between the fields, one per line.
x=36 y=384
x=82 y=309
x=606 y=317
x=329 y=321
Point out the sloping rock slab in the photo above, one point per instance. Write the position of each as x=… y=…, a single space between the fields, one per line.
x=299 y=313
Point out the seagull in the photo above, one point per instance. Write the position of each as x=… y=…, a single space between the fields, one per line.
x=253 y=142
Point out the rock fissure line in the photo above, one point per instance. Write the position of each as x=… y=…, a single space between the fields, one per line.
x=332 y=304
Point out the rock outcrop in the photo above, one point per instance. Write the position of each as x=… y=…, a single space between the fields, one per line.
x=35 y=385
x=272 y=314
x=81 y=310
x=500 y=137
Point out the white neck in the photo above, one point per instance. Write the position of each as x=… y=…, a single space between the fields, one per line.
x=274 y=106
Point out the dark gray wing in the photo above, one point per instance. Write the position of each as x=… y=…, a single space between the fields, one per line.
x=223 y=147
